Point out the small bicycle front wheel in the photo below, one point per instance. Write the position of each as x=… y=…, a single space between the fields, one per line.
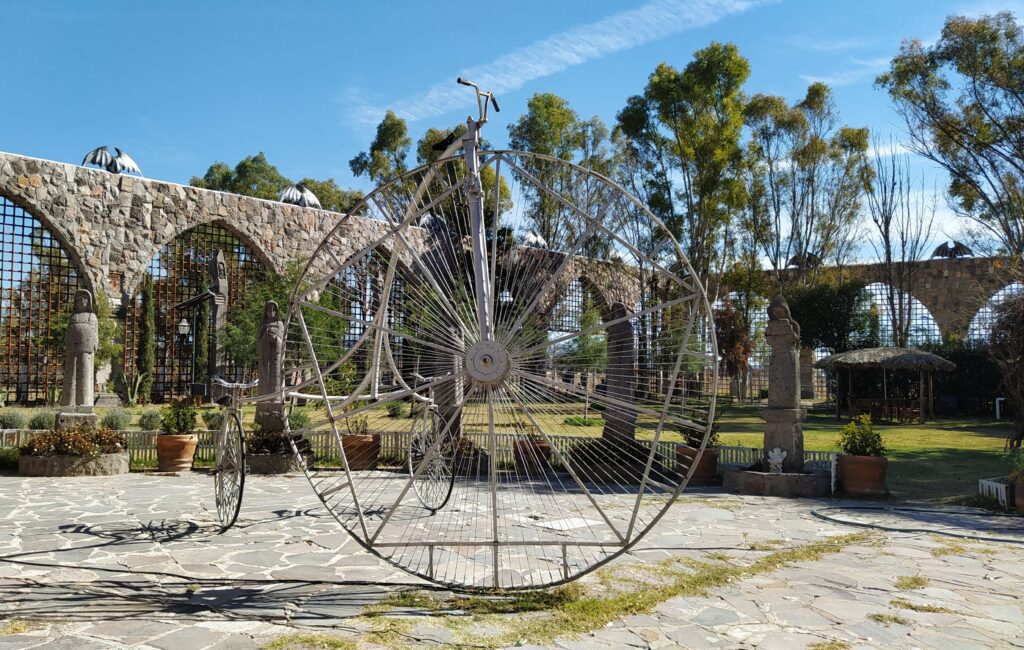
x=229 y=473
x=433 y=470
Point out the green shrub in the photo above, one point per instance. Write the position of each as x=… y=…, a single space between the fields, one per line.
x=357 y=425
x=1015 y=459
x=580 y=421
x=42 y=420
x=150 y=420
x=298 y=420
x=78 y=440
x=180 y=417
x=858 y=438
x=259 y=441
x=9 y=458
x=116 y=419
x=11 y=420
x=396 y=409
x=213 y=419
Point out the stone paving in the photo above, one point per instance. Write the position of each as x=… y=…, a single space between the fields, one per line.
x=136 y=561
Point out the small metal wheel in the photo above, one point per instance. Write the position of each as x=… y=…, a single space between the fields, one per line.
x=229 y=473
x=433 y=484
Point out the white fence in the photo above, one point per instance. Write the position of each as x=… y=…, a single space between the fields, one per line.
x=996 y=488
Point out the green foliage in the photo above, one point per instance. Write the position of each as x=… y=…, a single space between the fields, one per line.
x=1015 y=462
x=245 y=316
x=685 y=141
x=178 y=418
x=298 y=420
x=259 y=441
x=9 y=458
x=79 y=440
x=858 y=438
x=116 y=419
x=357 y=425
x=145 y=360
x=960 y=100
x=201 y=339
x=976 y=380
x=585 y=353
x=213 y=419
x=150 y=420
x=396 y=409
x=42 y=420
x=11 y=419
x=386 y=156
x=834 y=317
x=733 y=337
x=332 y=197
x=580 y=421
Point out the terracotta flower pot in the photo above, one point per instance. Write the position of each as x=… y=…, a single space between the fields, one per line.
x=362 y=451
x=1018 y=494
x=707 y=467
x=863 y=475
x=532 y=457
x=174 y=452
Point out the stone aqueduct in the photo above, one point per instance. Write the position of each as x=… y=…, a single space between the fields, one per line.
x=111 y=227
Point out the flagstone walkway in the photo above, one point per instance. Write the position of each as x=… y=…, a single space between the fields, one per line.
x=135 y=561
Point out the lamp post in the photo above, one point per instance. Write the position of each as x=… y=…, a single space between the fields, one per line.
x=183 y=330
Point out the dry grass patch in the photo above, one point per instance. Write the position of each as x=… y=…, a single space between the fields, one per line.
x=310 y=642
x=903 y=603
x=18 y=626
x=830 y=645
x=888 y=619
x=906 y=583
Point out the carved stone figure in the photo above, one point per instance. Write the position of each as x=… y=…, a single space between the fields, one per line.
x=620 y=421
x=82 y=341
x=775 y=459
x=271 y=349
x=219 y=308
x=783 y=414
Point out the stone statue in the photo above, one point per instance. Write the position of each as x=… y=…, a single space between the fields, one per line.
x=82 y=341
x=620 y=421
x=219 y=308
x=271 y=350
x=783 y=414
x=775 y=459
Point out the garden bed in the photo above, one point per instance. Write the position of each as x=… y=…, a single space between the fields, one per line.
x=101 y=465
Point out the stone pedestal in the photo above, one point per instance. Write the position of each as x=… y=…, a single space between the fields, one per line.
x=782 y=430
x=69 y=420
x=790 y=485
x=270 y=416
x=108 y=400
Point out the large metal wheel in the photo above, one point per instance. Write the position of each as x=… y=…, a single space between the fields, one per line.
x=229 y=471
x=562 y=367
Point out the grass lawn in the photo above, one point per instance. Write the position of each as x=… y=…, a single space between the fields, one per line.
x=937 y=461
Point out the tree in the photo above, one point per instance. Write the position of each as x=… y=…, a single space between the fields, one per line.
x=961 y=100
x=734 y=345
x=1007 y=348
x=686 y=132
x=145 y=359
x=388 y=151
x=255 y=176
x=903 y=226
x=809 y=175
x=831 y=316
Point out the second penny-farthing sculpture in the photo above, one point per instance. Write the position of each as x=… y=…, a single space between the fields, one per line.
x=540 y=435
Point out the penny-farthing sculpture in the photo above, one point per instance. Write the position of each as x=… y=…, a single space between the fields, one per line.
x=543 y=382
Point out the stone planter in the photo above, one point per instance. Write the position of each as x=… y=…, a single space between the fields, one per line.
x=532 y=457
x=707 y=467
x=102 y=465
x=362 y=451
x=174 y=452
x=273 y=464
x=863 y=475
x=1018 y=495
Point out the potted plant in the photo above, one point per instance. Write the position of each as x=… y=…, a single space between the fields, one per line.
x=78 y=450
x=532 y=453
x=862 y=463
x=706 y=472
x=1016 y=459
x=362 y=448
x=176 y=444
x=268 y=452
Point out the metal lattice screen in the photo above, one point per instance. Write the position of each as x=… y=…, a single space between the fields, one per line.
x=37 y=287
x=981 y=325
x=179 y=271
x=922 y=327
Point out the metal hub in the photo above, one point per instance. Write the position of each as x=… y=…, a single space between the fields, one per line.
x=487 y=362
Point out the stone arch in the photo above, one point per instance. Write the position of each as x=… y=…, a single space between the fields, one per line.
x=179 y=268
x=39 y=276
x=980 y=327
x=924 y=327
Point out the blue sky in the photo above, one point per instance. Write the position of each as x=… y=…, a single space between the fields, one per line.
x=181 y=84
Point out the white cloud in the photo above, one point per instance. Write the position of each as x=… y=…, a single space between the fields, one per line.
x=861 y=70
x=825 y=44
x=622 y=31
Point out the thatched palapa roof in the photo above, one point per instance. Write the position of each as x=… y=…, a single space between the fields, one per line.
x=888 y=358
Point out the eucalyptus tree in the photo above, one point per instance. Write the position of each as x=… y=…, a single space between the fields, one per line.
x=387 y=154
x=812 y=173
x=962 y=100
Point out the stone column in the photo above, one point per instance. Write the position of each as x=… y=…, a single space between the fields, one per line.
x=82 y=340
x=620 y=422
x=783 y=415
